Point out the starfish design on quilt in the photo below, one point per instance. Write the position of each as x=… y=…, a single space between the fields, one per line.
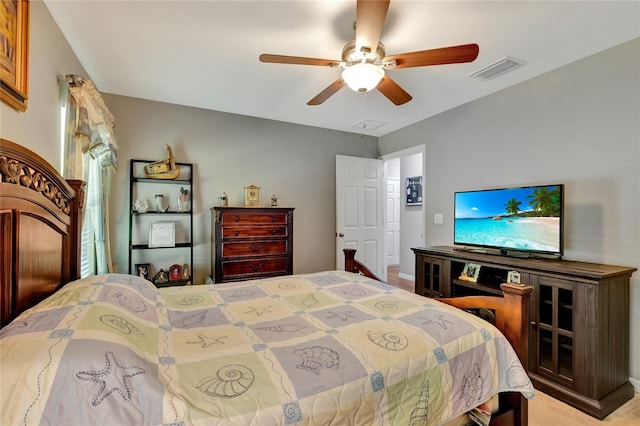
x=208 y=341
x=114 y=377
x=258 y=311
x=344 y=316
x=437 y=320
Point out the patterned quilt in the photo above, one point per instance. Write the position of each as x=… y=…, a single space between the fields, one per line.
x=322 y=348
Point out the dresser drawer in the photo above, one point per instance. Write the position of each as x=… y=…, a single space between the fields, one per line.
x=253 y=248
x=230 y=232
x=254 y=267
x=247 y=218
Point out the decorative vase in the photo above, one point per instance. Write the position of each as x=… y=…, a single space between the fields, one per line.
x=161 y=206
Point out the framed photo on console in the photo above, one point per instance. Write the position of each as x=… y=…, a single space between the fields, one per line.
x=470 y=272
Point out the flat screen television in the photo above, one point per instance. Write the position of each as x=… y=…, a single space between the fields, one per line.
x=523 y=220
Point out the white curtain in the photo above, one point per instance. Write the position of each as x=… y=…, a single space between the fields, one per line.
x=89 y=153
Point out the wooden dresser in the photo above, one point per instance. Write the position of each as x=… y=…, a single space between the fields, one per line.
x=251 y=242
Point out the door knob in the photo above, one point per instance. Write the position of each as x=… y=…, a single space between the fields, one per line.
x=341 y=235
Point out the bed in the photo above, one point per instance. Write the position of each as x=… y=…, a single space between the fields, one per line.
x=332 y=347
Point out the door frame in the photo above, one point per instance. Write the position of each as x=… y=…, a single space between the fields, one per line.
x=418 y=149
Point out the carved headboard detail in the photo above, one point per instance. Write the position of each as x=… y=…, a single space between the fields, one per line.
x=40 y=223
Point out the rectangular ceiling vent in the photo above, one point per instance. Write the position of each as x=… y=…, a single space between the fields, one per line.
x=368 y=124
x=497 y=68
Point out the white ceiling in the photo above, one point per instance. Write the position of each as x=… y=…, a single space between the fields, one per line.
x=205 y=53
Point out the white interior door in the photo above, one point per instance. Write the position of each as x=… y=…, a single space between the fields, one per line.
x=359 y=211
x=392 y=222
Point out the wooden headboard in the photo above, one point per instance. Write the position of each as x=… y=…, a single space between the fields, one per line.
x=40 y=222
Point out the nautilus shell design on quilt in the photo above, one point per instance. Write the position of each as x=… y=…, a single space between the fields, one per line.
x=387 y=305
x=230 y=381
x=392 y=340
x=318 y=358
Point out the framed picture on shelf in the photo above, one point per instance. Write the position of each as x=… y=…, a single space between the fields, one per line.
x=414 y=190
x=470 y=272
x=513 y=277
x=162 y=234
x=186 y=272
x=14 y=56
x=143 y=270
x=161 y=277
x=175 y=273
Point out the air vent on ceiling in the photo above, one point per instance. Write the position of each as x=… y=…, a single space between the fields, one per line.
x=368 y=124
x=497 y=68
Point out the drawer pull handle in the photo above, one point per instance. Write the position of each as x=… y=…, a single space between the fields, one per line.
x=273 y=219
x=237 y=218
x=273 y=232
x=256 y=268
x=237 y=233
x=256 y=248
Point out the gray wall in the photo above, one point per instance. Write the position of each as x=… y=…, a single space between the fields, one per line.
x=230 y=152
x=49 y=56
x=579 y=125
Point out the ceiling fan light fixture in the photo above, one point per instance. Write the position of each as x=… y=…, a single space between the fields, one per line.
x=362 y=77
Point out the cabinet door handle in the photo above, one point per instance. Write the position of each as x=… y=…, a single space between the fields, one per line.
x=256 y=248
x=534 y=324
x=256 y=268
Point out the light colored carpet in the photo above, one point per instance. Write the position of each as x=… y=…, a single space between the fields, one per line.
x=547 y=411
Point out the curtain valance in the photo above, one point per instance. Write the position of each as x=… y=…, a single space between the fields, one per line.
x=94 y=122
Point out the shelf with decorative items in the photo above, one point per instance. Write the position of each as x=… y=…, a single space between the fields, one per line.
x=161 y=222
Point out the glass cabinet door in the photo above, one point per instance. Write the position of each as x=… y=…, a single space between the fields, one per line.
x=553 y=331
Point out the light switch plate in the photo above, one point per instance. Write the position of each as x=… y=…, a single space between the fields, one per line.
x=438 y=218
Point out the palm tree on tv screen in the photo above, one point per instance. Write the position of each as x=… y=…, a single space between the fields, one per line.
x=545 y=202
x=513 y=206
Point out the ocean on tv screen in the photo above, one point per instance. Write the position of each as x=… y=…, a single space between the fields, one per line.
x=527 y=233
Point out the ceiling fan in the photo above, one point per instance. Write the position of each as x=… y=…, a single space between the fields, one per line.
x=364 y=60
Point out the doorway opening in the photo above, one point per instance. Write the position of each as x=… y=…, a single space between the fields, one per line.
x=404 y=215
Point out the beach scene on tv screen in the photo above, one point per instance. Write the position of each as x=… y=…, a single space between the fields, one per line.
x=514 y=218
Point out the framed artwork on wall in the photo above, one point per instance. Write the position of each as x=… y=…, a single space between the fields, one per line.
x=414 y=190
x=14 y=53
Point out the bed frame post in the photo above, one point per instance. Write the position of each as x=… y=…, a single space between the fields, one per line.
x=352 y=265
x=75 y=233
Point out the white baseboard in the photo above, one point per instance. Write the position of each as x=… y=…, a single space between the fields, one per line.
x=406 y=276
x=635 y=383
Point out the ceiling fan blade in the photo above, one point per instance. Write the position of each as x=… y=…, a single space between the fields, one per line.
x=370 y=16
x=442 y=56
x=298 y=60
x=328 y=92
x=393 y=91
